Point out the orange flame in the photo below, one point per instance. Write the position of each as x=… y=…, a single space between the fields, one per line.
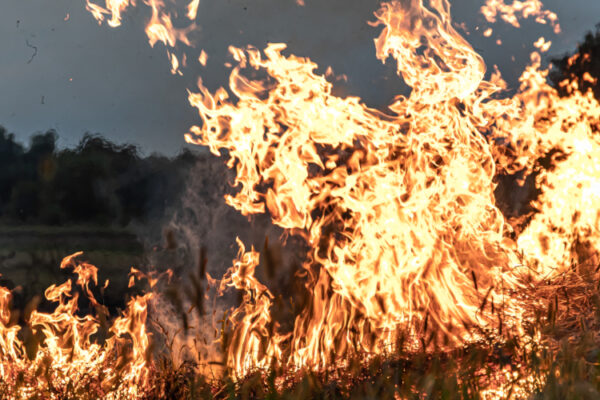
x=112 y=8
x=60 y=349
x=511 y=13
x=193 y=9
x=159 y=29
x=397 y=206
x=409 y=195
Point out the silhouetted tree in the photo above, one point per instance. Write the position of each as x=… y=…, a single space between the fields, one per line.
x=97 y=182
x=574 y=67
x=11 y=154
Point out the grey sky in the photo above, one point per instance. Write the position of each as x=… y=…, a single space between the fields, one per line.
x=122 y=88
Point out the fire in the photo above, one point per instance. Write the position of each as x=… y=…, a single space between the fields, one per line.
x=253 y=324
x=60 y=353
x=159 y=29
x=397 y=206
x=193 y=9
x=511 y=13
x=112 y=8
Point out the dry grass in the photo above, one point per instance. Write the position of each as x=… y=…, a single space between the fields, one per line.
x=562 y=360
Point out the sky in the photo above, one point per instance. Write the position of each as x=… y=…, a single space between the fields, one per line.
x=60 y=70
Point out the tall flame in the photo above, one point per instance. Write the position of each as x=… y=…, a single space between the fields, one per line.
x=398 y=208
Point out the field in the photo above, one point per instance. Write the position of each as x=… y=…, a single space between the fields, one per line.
x=30 y=257
x=561 y=359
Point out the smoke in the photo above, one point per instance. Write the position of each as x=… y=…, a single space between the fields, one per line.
x=196 y=240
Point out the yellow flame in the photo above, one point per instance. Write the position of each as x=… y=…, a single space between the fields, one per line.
x=160 y=28
x=112 y=8
x=397 y=206
x=408 y=195
x=511 y=13
x=193 y=9
x=59 y=350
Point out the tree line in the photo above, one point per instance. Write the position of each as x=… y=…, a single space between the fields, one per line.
x=575 y=66
x=97 y=182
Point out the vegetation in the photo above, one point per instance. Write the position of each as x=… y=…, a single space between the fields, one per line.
x=575 y=66
x=557 y=357
x=97 y=182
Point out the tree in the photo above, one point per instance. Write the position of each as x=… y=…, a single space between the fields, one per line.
x=574 y=67
x=10 y=163
x=97 y=182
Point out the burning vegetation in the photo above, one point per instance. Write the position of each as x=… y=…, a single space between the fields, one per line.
x=419 y=280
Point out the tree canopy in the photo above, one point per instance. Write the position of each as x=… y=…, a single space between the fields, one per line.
x=96 y=182
x=574 y=67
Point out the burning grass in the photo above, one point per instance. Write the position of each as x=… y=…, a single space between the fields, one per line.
x=414 y=283
x=556 y=357
x=87 y=354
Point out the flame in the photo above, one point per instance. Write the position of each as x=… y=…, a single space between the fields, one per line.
x=542 y=124
x=417 y=238
x=193 y=9
x=203 y=58
x=160 y=28
x=511 y=13
x=59 y=351
x=112 y=8
x=252 y=339
x=397 y=206
x=542 y=44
